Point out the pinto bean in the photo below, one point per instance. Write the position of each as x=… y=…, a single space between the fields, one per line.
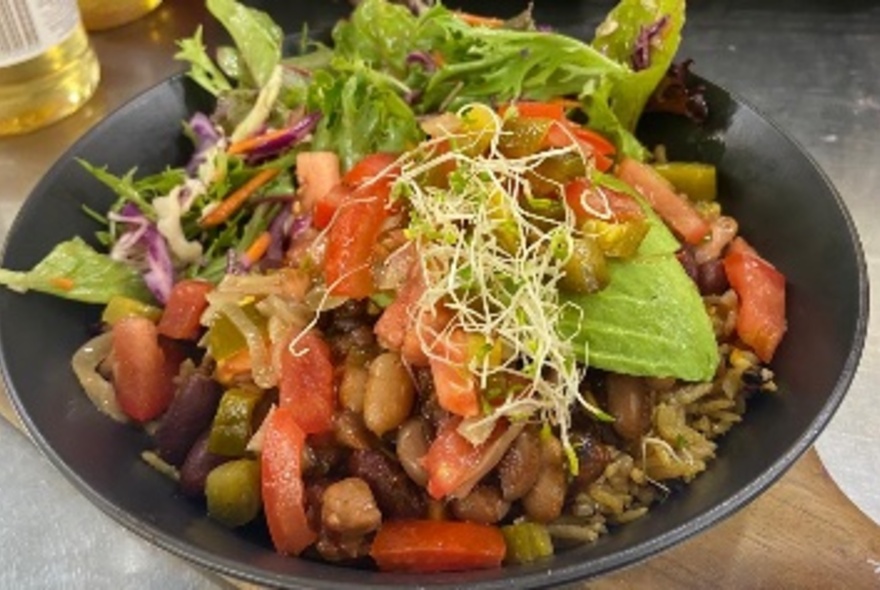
x=350 y=431
x=389 y=394
x=352 y=387
x=519 y=467
x=190 y=413
x=412 y=446
x=629 y=403
x=397 y=496
x=544 y=501
x=484 y=505
x=349 y=509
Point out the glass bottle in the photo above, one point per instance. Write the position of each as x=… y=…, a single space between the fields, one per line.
x=98 y=15
x=47 y=67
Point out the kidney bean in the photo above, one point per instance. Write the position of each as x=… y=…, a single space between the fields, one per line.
x=629 y=403
x=519 y=467
x=190 y=413
x=198 y=464
x=398 y=497
x=711 y=278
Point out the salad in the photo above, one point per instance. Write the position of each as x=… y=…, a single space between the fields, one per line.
x=421 y=300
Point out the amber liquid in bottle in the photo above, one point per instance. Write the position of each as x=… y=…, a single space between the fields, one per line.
x=98 y=15
x=47 y=67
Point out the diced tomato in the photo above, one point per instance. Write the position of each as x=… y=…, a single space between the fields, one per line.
x=317 y=173
x=585 y=201
x=436 y=545
x=592 y=144
x=451 y=458
x=326 y=206
x=369 y=168
x=530 y=108
x=673 y=208
x=396 y=319
x=455 y=385
x=760 y=321
x=186 y=303
x=358 y=222
x=306 y=383
x=282 y=484
x=142 y=380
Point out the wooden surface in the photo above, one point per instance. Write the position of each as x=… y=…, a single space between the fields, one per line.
x=802 y=533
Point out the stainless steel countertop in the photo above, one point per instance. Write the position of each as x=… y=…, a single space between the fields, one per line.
x=812 y=66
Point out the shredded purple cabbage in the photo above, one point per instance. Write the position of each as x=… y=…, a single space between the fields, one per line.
x=205 y=136
x=294 y=134
x=159 y=275
x=422 y=58
x=143 y=246
x=641 y=56
x=676 y=94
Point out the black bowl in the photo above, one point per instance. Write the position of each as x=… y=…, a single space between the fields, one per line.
x=786 y=207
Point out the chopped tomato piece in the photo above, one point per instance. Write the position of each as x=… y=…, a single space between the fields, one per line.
x=186 y=303
x=451 y=458
x=436 y=545
x=327 y=205
x=395 y=321
x=374 y=166
x=588 y=202
x=673 y=208
x=349 y=255
x=317 y=173
x=306 y=383
x=141 y=378
x=530 y=108
x=592 y=144
x=760 y=321
x=282 y=484
x=455 y=385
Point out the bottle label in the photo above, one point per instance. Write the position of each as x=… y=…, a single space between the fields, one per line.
x=30 y=27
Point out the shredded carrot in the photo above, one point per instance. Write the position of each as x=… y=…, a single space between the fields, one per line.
x=63 y=283
x=251 y=143
x=258 y=248
x=237 y=198
x=475 y=20
x=438 y=59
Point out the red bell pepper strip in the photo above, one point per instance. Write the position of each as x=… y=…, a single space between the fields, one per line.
x=760 y=320
x=356 y=227
x=282 y=486
x=306 y=383
x=422 y=546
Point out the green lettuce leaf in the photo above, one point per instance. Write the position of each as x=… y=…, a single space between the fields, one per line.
x=202 y=68
x=649 y=320
x=379 y=33
x=363 y=113
x=617 y=36
x=74 y=270
x=257 y=37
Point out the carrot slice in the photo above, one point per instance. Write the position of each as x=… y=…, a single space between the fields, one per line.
x=258 y=247
x=437 y=545
x=237 y=198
